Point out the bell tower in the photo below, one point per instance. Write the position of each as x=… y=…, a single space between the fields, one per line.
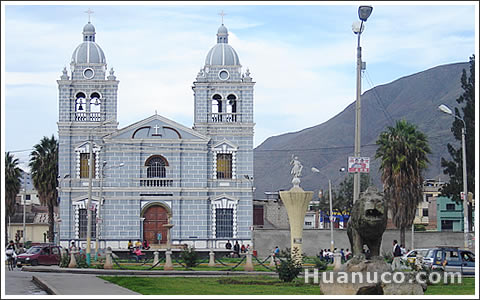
x=87 y=112
x=223 y=97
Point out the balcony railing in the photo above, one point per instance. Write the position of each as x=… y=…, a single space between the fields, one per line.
x=156 y=182
x=224 y=117
x=88 y=116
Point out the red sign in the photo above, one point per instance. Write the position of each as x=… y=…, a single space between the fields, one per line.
x=358 y=164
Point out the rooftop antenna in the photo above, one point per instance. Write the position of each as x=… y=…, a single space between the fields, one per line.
x=89 y=12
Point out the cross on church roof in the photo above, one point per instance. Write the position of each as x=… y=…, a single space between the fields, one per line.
x=222 y=14
x=89 y=12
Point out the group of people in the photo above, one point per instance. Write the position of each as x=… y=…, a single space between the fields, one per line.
x=327 y=255
x=237 y=249
x=136 y=250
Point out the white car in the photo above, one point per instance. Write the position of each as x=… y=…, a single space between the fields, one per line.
x=411 y=255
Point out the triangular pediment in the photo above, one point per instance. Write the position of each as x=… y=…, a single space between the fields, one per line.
x=158 y=128
x=225 y=145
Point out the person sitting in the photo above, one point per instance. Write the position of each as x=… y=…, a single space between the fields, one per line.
x=228 y=245
x=146 y=246
x=138 y=254
x=138 y=244
x=242 y=249
x=130 y=245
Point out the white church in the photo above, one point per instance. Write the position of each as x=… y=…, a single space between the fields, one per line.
x=156 y=173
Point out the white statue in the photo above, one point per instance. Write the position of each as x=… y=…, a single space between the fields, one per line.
x=297 y=167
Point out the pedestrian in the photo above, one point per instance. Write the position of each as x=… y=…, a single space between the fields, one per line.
x=343 y=255
x=236 y=249
x=348 y=254
x=276 y=252
x=402 y=248
x=397 y=253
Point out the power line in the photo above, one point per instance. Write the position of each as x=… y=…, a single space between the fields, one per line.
x=377 y=97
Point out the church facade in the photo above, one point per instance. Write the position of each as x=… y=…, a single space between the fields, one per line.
x=155 y=173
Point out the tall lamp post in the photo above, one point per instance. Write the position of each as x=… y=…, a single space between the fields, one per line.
x=89 y=202
x=332 y=243
x=445 y=109
x=58 y=203
x=363 y=13
x=100 y=204
x=24 y=235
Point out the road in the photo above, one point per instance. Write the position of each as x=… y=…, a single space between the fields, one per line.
x=20 y=283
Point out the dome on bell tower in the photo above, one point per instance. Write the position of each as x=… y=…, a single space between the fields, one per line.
x=222 y=53
x=88 y=51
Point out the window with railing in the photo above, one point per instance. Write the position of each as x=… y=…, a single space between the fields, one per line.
x=224 y=166
x=156 y=167
x=224 y=222
x=82 y=223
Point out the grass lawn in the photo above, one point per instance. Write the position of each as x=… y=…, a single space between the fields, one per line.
x=249 y=285
x=467 y=287
x=245 y=285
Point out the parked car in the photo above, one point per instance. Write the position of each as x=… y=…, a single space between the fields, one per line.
x=451 y=259
x=40 y=255
x=411 y=255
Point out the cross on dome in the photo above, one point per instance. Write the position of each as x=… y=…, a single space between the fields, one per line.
x=222 y=14
x=89 y=12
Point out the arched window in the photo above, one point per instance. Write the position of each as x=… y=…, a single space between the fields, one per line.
x=156 y=167
x=216 y=104
x=232 y=104
x=80 y=102
x=95 y=102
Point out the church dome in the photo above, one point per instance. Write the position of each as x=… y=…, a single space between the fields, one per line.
x=88 y=51
x=89 y=28
x=222 y=53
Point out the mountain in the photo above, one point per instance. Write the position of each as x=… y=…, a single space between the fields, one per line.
x=327 y=146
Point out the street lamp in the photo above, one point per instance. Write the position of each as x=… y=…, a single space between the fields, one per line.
x=90 y=177
x=58 y=203
x=445 y=109
x=363 y=14
x=97 y=232
x=315 y=170
x=24 y=236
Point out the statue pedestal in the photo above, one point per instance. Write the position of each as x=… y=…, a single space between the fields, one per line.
x=296 y=202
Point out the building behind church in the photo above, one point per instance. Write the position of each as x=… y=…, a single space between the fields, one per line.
x=156 y=171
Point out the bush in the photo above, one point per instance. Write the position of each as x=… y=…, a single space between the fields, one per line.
x=190 y=257
x=419 y=227
x=321 y=265
x=388 y=257
x=81 y=261
x=65 y=261
x=289 y=268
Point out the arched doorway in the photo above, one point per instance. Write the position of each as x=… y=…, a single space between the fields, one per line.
x=153 y=231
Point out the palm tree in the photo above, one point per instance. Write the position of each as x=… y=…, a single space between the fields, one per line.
x=44 y=167
x=403 y=152
x=12 y=186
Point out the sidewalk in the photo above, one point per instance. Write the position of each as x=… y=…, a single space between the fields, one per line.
x=78 y=284
x=72 y=281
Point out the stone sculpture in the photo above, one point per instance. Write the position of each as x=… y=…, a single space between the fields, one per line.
x=367 y=222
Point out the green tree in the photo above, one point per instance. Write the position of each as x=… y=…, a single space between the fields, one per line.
x=12 y=186
x=44 y=168
x=344 y=194
x=403 y=151
x=454 y=167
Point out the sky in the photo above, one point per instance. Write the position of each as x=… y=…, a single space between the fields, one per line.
x=302 y=56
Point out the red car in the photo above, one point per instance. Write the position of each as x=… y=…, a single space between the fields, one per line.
x=40 y=255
